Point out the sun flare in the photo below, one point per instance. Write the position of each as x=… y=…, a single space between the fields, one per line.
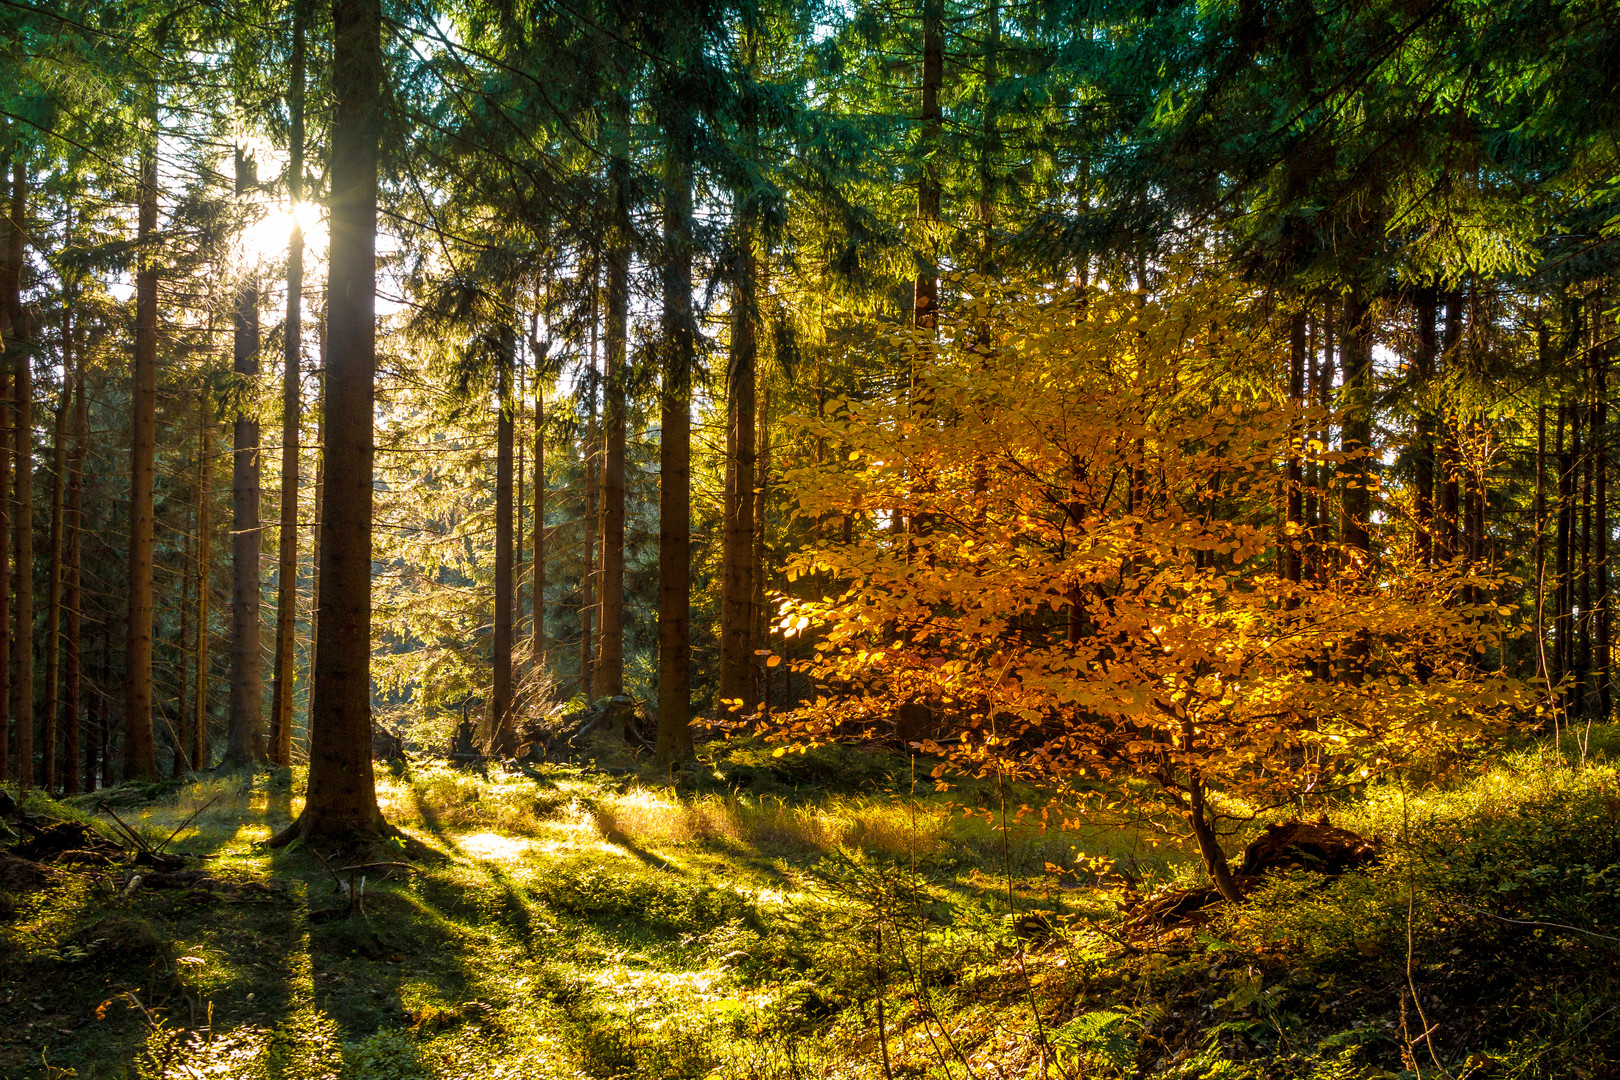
x=268 y=238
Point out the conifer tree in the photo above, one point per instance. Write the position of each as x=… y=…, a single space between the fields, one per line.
x=342 y=800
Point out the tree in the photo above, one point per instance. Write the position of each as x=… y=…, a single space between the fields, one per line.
x=503 y=719
x=735 y=683
x=244 y=732
x=1200 y=667
x=674 y=741
x=609 y=671
x=22 y=321
x=140 y=759
x=281 y=694
x=55 y=571
x=200 y=750
x=72 y=589
x=342 y=801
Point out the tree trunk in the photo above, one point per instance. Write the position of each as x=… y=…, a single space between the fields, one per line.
x=587 y=517
x=1585 y=464
x=737 y=541
x=520 y=506
x=1600 y=606
x=312 y=652
x=925 y=292
x=1543 y=671
x=761 y=616
x=72 y=594
x=22 y=686
x=1209 y=845
x=991 y=147
x=930 y=187
x=7 y=635
x=244 y=732
x=1565 y=459
x=1294 y=527
x=22 y=681
x=342 y=800
x=1325 y=472
x=1356 y=437
x=537 y=640
x=103 y=709
x=674 y=741
x=139 y=757
x=1313 y=468
x=11 y=240
x=200 y=749
x=503 y=727
x=284 y=671
x=53 y=579
x=1423 y=441
x=610 y=654
x=1450 y=452
x=737 y=556
x=182 y=667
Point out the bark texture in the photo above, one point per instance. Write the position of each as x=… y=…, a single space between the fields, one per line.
x=200 y=749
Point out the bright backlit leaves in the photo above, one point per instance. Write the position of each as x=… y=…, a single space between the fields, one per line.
x=1088 y=582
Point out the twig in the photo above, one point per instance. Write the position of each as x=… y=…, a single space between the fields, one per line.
x=129 y=995
x=335 y=879
x=1538 y=924
x=140 y=842
x=186 y=822
x=1411 y=983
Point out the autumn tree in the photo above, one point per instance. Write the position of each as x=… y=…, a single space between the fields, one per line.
x=1099 y=595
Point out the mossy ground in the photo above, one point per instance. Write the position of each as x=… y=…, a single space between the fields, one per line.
x=599 y=922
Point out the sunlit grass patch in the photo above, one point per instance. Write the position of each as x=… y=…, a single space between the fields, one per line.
x=494 y=846
x=436 y=796
x=658 y=816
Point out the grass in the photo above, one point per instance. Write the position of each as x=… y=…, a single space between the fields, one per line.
x=746 y=921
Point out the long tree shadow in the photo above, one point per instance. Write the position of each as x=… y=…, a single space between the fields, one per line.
x=431 y=822
x=619 y=839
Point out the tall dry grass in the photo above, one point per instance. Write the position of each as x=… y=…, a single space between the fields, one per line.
x=653 y=817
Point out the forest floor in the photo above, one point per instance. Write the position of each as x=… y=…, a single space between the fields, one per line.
x=816 y=915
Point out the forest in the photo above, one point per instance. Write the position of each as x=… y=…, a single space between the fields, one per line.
x=856 y=539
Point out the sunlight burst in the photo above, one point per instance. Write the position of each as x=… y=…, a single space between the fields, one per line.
x=268 y=238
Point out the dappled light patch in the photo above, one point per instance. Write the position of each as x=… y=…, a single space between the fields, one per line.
x=494 y=846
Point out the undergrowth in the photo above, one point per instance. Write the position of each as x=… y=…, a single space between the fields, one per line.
x=750 y=924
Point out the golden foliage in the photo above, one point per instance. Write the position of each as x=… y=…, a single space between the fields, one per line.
x=1087 y=581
